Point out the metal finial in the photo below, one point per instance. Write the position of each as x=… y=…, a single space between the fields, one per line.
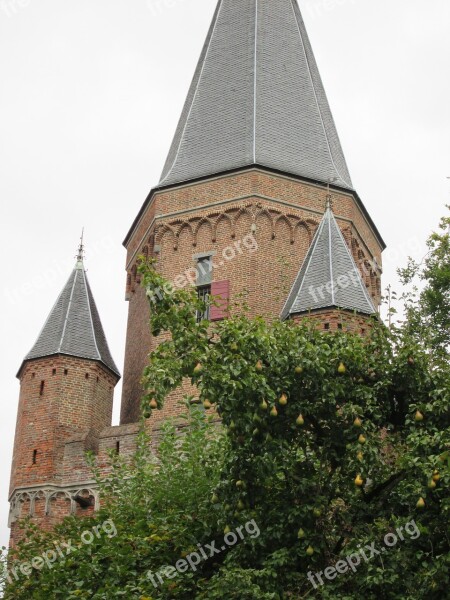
x=80 y=254
x=329 y=201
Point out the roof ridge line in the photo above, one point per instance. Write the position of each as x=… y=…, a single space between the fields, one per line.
x=316 y=99
x=68 y=310
x=309 y=256
x=52 y=309
x=327 y=213
x=90 y=315
x=194 y=96
x=364 y=289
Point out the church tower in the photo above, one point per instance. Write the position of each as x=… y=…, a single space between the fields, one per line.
x=241 y=203
x=67 y=383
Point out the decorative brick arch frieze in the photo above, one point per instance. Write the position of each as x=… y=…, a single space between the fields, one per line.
x=284 y=219
x=255 y=212
x=203 y=222
x=226 y=218
x=49 y=494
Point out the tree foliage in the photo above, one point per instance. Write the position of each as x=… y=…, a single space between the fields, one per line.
x=334 y=445
x=428 y=303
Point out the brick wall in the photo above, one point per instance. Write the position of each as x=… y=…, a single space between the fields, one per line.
x=64 y=404
x=282 y=213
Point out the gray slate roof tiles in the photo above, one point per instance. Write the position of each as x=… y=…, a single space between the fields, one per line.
x=329 y=276
x=257 y=98
x=73 y=326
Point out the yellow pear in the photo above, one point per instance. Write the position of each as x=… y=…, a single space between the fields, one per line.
x=418 y=416
x=436 y=476
x=153 y=403
x=341 y=368
x=227 y=529
x=431 y=484
x=359 y=481
x=360 y=456
x=264 y=405
x=198 y=368
x=300 y=534
x=207 y=404
x=309 y=550
x=298 y=370
x=357 y=422
x=283 y=400
x=300 y=420
x=259 y=365
x=420 y=503
x=361 y=439
x=274 y=412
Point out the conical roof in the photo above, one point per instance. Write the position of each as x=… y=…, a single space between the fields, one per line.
x=329 y=276
x=257 y=98
x=73 y=326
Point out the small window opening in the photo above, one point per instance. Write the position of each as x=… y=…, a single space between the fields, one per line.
x=87 y=376
x=339 y=325
x=204 y=271
x=54 y=372
x=35 y=456
x=117 y=447
x=326 y=326
x=33 y=375
x=203 y=293
x=98 y=378
x=363 y=330
x=41 y=390
x=66 y=371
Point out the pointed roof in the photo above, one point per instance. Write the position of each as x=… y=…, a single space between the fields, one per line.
x=329 y=276
x=73 y=326
x=257 y=98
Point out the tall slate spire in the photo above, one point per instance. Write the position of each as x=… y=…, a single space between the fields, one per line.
x=329 y=276
x=73 y=326
x=257 y=98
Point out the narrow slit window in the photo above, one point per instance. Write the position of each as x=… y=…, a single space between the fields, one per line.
x=35 y=452
x=41 y=389
x=87 y=376
x=117 y=447
x=54 y=372
x=66 y=372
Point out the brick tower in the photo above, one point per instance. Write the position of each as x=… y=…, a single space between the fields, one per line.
x=66 y=397
x=255 y=201
x=255 y=156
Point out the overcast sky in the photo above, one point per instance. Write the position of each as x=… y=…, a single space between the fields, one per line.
x=90 y=95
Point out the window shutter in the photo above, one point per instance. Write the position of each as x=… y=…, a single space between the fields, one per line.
x=221 y=291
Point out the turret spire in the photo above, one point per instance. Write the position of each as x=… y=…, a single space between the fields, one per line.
x=257 y=98
x=73 y=326
x=329 y=276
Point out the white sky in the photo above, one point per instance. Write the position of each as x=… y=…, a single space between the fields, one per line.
x=90 y=95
